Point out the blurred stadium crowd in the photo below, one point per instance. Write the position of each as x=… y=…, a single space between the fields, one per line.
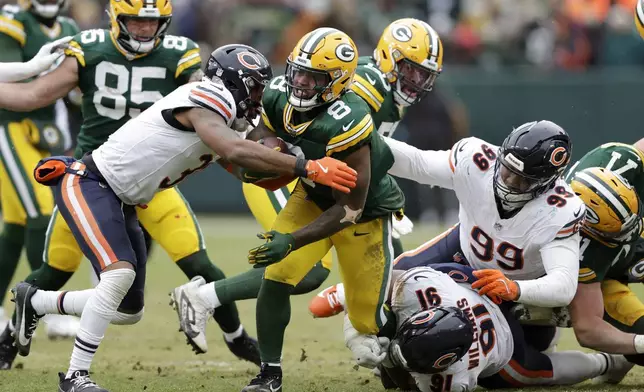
x=544 y=35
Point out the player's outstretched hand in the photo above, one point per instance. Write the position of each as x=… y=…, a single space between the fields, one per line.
x=332 y=172
x=277 y=247
x=496 y=285
x=48 y=55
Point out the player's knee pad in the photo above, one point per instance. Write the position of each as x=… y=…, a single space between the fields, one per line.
x=121 y=318
x=111 y=290
x=181 y=243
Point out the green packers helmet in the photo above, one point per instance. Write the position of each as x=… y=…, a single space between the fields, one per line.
x=613 y=208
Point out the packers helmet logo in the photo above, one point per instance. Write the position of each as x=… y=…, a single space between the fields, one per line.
x=559 y=156
x=345 y=52
x=637 y=271
x=445 y=361
x=401 y=32
x=423 y=317
x=249 y=60
x=591 y=216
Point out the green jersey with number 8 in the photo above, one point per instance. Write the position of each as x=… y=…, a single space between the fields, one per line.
x=336 y=129
x=597 y=261
x=117 y=86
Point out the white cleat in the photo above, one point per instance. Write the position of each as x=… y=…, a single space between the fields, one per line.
x=59 y=326
x=193 y=313
x=618 y=367
x=3 y=319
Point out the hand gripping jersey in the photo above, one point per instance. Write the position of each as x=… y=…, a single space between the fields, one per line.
x=597 y=261
x=117 y=86
x=372 y=86
x=511 y=245
x=337 y=130
x=154 y=151
x=492 y=346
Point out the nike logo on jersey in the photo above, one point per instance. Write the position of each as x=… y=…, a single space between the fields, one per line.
x=418 y=277
x=348 y=126
x=355 y=233
x=373 y=82
x=460 y=148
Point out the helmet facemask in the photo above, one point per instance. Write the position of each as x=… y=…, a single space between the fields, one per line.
x=47 y=9
x=305 y=86
x=512 y=187
x=141 y=44
x=413 y=82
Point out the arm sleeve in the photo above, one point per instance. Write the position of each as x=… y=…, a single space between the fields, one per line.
x=557 y=288
x=424 y=167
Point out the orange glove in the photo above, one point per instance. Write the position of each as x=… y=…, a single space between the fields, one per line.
x=496 y=286
x=331 y=172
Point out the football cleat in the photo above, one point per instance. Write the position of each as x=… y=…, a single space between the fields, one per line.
x=193 y=313
x=328 y=302
x=26 y=317
x=618 y=368
x=8 y=349
x=79 y=382
x=269 y=379
x=246 y=348
x=3 y=319
x=59 y=326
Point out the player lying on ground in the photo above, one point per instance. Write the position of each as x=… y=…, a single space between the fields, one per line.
x=313 y=107
x=605 y=314
x=519 y=220
x=388 y=101
x=446 y=337
x=122 y=72
x=178 y=135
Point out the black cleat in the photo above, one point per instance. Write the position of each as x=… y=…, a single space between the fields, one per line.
x=8 y=349
x=26 y=316
x=79 y=382
x=246 y=348
x=269 y=379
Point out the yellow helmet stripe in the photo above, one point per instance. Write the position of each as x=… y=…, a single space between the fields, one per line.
x=611 y=198
x=308 y=46
x=640 y=14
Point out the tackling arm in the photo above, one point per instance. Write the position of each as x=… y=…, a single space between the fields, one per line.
x=348 y=207
x=587 y=313
x=424 y=167
x=44 y=91
x=557 y=288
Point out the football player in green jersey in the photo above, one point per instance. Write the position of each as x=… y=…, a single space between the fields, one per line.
x=121 y=72
x=25 y=138
x=406 y=62
x=313 y=108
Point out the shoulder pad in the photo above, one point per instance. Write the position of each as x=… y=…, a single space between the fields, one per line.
x=472 y=151
x=187 y=52
x=273 y=91
x=69 y=21
x=569 y=213
x=371 y=85
x=351 y=121
x=11 y=23
x=214 y=96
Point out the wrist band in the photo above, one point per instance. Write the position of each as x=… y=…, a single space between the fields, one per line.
x=638 y=342
x=300 y=167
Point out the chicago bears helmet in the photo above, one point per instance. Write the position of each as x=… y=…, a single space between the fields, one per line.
x=529 y=162
x=429 y=341
x=245 y=72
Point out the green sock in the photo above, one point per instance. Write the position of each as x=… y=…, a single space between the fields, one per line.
x=398 y=247
x=273 y=313
x=47 y=278
x=11 y=241
x=239 y=287
x=198 y=264
x=35 y=241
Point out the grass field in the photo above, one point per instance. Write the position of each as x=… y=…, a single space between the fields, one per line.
x=153 y=356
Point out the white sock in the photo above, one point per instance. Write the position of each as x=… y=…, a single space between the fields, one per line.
x=60 y=302
x=572 y=367
x=340 y=291
x=229 y=337
x=99 y=311
x=209 y=295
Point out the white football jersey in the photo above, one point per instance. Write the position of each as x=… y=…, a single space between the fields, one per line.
x=512 y=245
x=492 y=347
x=154 y=151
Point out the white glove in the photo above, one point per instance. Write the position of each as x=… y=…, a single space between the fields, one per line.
x=402 y=227
x=368 y=350
x=48 y=55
